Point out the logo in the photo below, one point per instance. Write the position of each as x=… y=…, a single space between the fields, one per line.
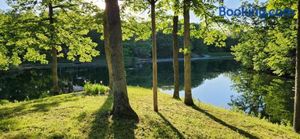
x=253 y=11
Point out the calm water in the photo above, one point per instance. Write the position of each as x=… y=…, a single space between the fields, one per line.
x=217 y=91
x=218 y=82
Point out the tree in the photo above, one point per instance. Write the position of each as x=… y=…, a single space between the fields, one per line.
x=55 y=85
x=154 y=54
x=296 y=122
x=267 y=44
x=209 y=30
x=272 y=44
x=8 y=51
x=107 y=50
x=59 y=27
x=175 y=50
x=188 y=100
x=121 y=106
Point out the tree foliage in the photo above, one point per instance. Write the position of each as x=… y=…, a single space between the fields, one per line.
x=29 y=36
x=267 y=44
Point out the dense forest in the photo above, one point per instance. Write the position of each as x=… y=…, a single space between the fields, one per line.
x=142 y=48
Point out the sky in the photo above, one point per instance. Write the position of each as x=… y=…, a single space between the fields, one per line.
x=227 y=3
x=3 y=5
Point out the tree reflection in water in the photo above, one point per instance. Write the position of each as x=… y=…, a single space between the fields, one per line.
x=263 y=95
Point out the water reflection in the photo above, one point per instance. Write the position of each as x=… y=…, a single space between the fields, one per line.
x=209 y=83
x=36 y=83
x=20 y=85
x=263 y=95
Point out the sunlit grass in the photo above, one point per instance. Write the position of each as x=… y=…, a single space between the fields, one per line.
x=80 y=116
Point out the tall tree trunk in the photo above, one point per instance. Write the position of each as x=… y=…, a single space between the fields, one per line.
x=187 y=55
x=297 y=80
x=55 y=86
x=175 y=57
x=107 y=51
x=121 y=106
x=154 y=56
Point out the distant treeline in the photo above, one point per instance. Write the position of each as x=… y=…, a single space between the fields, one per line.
x=142 y=49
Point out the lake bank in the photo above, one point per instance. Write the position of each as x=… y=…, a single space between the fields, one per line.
x=88 y=117
x=102 y=63
x=205 y=57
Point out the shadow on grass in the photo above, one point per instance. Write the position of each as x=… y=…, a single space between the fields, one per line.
x=101 y=127
x=177 y=99
x=167 y=122
x=42 y=105
x=7 y=124
x=24 y=108
x=240 y=131
x=124 y=128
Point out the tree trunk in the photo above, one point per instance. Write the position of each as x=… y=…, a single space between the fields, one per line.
x=187 y=54
x=154 y=56
x=107 y=51
x=121 y=106
x=55 y=86
x=175 y=57
x=297 y=80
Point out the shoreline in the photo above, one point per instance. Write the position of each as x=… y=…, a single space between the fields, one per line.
x=161 y=60
x=102 y=62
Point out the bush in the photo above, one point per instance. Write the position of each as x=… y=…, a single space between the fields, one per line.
x=3 y=101
x=95 y=89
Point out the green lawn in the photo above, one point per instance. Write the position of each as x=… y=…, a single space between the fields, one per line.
x=78 y=116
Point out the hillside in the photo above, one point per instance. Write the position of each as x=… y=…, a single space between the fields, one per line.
x=78 y=116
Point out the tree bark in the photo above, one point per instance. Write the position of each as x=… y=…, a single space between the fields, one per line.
x=187 y=55
x=297 y=80
x=107 y=51
x=175 y=57
x=121 y=106
x=154 y=56
x=55 y=86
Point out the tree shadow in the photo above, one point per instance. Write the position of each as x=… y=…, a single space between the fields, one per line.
x=240 y=131
x=42 y=105
x=177 y=99
x=120 y=128
x=124 y=128
x=167 y=122
x=100 y=125
x=7 y=113
x=7 y=124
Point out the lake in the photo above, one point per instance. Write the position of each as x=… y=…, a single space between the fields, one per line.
x=222 y=83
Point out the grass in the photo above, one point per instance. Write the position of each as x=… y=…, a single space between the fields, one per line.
x=80 y=116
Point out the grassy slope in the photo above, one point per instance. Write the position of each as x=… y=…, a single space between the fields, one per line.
x=76 y=116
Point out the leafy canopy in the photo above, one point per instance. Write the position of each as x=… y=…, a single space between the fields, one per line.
x=28 y=35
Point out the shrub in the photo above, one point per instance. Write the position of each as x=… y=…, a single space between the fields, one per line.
x=95 y=89
x=3 y=101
